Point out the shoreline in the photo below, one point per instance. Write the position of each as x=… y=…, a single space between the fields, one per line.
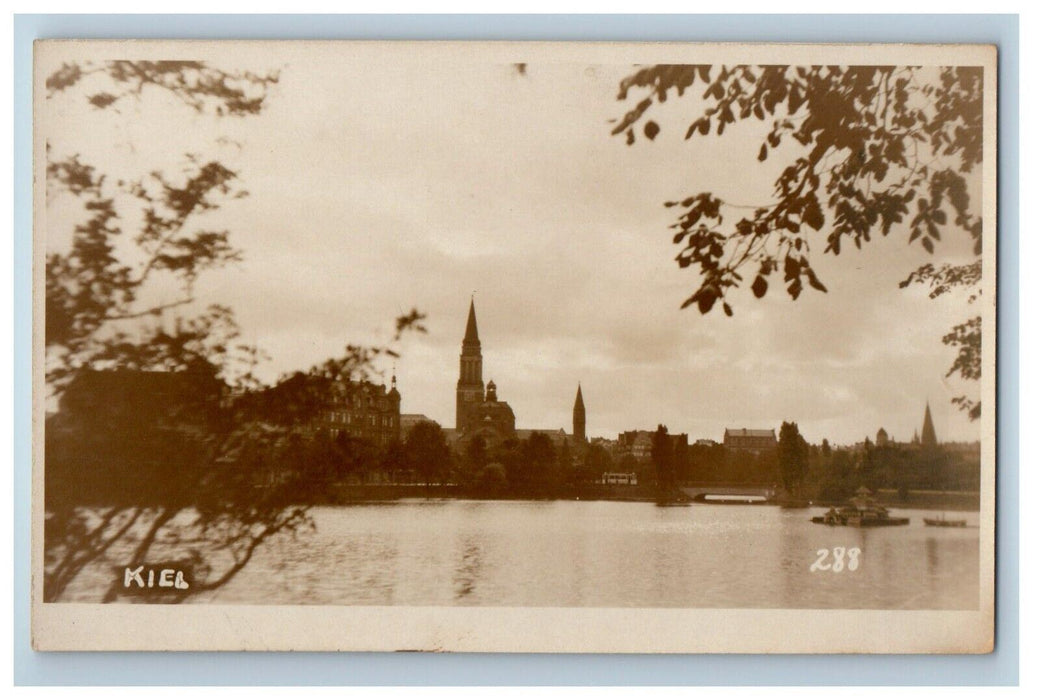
x=361 y=494
x=347 y=494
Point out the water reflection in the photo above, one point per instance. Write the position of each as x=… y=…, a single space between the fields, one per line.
x=933 y=555
x=467 y=573
x=601 y=554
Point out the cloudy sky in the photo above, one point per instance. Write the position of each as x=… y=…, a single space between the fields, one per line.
x=379 y=183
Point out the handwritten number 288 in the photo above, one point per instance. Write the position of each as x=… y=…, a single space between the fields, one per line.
x=838 y=562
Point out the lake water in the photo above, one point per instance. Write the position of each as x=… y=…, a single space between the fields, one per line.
x=607 y=554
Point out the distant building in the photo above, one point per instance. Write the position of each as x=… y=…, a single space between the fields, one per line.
x=124 y=400
x=705 y=442
x=558 y=437
x=882 y=438
x=129 y=433
x=410 y=420
x=639 y=443
x=636 y=443
x=362 y=410
x=749 y=439
x=928 y=438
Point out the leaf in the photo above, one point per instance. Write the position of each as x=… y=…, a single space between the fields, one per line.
x=792 y=268
x=727 y=309
x=763 y=152
x=814 y=281
x=706 y=301
x=651 y=129
x=102 y=99
x=759 y=286
x=812 y=215
x=704 y=297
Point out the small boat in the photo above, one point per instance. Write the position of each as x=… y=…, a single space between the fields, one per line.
x=943 y=522
x=862 y=511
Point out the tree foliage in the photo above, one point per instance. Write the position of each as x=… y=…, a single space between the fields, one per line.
x=662 y=454
x=793 y=456
x=107 y=276
x=166 y=438
x=876 y=149
x=428 y=451
x=198 y=85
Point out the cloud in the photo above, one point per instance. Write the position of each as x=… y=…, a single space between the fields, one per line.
x=376 y=190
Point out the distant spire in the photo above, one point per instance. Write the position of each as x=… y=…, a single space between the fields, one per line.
x=928 y=438
x=579 y=416
x=471 y=325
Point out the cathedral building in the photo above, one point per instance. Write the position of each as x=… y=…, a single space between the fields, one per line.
x=478 y=409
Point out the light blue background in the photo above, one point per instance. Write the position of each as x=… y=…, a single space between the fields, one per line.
x=502 y=669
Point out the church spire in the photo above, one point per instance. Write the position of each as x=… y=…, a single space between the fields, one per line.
x=471 y=326
x=579 y=416
x=469 y=391
x=928 y=438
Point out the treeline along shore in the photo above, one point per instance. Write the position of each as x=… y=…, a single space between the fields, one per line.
x=348 y=494
x=149 y=462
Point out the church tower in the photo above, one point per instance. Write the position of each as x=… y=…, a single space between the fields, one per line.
x=579 y=416
x=469 y=391
x=928 y=438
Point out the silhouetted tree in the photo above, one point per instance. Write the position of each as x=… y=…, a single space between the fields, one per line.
x=428 y=452
x=793 y=457
x=540 y=461
x=165 y=438
x=491 y=480
x=476 y=455
x=565 y=459
x=598 y=461
x=867 y=149
x=508 y=453
x=394 y=460
x=707 y=463
x=662 y=454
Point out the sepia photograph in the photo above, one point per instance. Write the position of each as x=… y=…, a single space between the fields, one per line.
x=507 y=346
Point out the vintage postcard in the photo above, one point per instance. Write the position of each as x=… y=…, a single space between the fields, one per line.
x=540 y=347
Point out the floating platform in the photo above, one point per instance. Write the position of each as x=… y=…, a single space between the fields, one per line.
x=860 y=522
x=943 y=522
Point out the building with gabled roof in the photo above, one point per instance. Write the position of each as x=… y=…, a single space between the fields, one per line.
x=749 y=439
